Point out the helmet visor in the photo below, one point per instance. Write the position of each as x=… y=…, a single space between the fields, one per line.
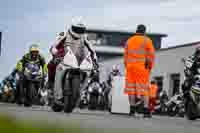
x=34 y=54
x=78 y=30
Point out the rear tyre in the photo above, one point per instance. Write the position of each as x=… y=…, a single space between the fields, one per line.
x=81 y=104
x=93 y=102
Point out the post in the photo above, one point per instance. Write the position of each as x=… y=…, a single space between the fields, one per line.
x=0 y=42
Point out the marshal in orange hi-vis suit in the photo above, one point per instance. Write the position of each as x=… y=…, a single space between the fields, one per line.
x=139 y=60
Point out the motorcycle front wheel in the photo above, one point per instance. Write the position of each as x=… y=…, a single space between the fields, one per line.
x=29 y=94
x=93 y=102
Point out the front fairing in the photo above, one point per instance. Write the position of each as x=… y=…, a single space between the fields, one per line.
x=70 y=62
x=95 y=89
x=33 y=72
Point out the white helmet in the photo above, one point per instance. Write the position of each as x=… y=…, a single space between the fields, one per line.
x=115 y=68
x=77 y=28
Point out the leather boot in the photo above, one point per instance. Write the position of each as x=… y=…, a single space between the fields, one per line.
x=132 y=111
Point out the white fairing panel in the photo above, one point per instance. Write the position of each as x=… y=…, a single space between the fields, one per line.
x=120 y=102
x=87 y=63
x=70 y=59
x=44 y=93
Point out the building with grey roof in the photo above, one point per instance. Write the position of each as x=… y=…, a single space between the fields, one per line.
x=168 y=67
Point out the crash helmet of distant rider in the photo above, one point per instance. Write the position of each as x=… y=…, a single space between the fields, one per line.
x=115 y=70
x=34 y=51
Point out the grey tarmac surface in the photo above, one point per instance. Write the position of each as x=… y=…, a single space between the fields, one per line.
x=104 y=121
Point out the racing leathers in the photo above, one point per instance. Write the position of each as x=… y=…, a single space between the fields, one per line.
x=80 y=47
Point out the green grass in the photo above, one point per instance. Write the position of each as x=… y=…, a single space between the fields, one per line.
x=9 y=124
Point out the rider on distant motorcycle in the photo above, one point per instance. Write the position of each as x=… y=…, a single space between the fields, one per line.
x=75 y=39
x=114 y=72
x=35 y=57
x=194 y=70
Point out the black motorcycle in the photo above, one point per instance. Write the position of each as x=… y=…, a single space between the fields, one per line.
x=95 y=96
x=191 y=90
x=33 y=80
x=176 y=106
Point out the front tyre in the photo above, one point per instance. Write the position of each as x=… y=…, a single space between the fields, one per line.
x=68 y=107
x=57 y=107
x=93 y=102
x=71 y=92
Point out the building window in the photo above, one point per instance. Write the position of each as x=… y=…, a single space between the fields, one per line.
x=159 y=81
x=175 y=83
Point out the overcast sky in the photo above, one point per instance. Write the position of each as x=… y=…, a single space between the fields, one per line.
x=27 y=21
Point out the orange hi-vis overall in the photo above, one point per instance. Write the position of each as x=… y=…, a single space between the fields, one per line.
x=153 y=90
x=152 y=98
x=139 y=50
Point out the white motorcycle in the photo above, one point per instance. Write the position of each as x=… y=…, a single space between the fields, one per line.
x=72 y=79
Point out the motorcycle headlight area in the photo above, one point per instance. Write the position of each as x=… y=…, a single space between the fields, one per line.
x=45 y=93
x=90 y=89
x=6 y=89
x=100 y=90
x=27 y=71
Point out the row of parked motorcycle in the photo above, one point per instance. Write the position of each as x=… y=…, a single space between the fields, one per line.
x=170 y=107
x=97 y=96
x=8 y=94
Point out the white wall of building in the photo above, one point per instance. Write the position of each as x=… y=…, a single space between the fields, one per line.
x=169 y=62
